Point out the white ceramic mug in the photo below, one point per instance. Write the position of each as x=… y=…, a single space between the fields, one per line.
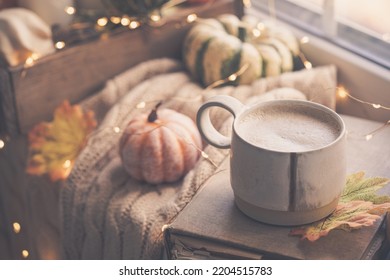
x=287 y=160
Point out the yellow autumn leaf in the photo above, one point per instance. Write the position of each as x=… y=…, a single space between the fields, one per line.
x=54 y=146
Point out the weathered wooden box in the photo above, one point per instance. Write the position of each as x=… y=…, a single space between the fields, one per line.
x=29 y=95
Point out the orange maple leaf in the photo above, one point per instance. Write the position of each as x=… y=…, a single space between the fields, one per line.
x=54 y=146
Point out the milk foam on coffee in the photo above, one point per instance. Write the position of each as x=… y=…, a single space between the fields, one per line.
x=288 y=128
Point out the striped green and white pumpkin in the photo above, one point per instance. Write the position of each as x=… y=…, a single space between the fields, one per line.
x=216 y=48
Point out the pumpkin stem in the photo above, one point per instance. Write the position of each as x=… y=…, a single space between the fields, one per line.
x=153 y=114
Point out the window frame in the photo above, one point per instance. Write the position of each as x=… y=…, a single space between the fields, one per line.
x=363 y=78
x=324 y=25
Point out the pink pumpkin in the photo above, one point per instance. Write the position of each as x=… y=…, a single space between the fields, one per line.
x=158 y=149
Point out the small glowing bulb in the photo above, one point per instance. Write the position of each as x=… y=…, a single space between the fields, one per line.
x=164 y=228
x=115 y=20
x=16 y=226
x=342 y=92
x=29 y=61
x=204 y=155
x=102 y=21
x=305 y=40
x=60 y=45
x=368 y=137
x=134 y=24
x=192 y=18
x=125 y=21
x=376 y=106
x=232 y=77
x=67 y=164
x=70 y=10
x=117 y=129
x=308 y=64
x=25 y=254
x=261 y=26
x=141 y=105
x=2 y=144
x=155 y=18
x=34 y=56
x=256 y=32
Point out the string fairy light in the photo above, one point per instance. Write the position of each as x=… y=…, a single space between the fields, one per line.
x=191 y=18
x=369 y=136
x=306 y=63
x=60 y=45
x=155 y=17
x=256 y=33
x=67 y=164
x=115 y=20
x=16 y=227
x=203 y=154
x=2 y=144
x=70 y=10
x=343 y=93
x=304 y=40
x=134 y=24
x=142 y=104
x=25 y=254
x=125 y=21
x=30 y=61
x=231 y=78
x=103 y=21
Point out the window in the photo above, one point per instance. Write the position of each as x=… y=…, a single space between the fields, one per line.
x=360 y=26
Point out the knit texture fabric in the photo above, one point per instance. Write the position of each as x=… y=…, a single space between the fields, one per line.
x=105 y=214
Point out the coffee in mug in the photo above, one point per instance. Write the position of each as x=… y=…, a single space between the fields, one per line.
x=288 y=129
x=287 y=160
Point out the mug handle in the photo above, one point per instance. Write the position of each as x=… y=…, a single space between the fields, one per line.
x=207 y=129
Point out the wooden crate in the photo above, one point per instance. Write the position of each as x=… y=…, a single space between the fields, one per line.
x=28 y=96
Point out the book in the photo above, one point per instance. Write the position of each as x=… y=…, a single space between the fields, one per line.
x=212 y=227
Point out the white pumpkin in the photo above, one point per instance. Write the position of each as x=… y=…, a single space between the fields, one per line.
x=22 y=34
x=158 y=149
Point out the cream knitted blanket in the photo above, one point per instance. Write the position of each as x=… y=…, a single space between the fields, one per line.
x=105 y=214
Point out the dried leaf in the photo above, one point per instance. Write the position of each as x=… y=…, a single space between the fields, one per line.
x=359 y=206
x=360 y=188
x=54 y=146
